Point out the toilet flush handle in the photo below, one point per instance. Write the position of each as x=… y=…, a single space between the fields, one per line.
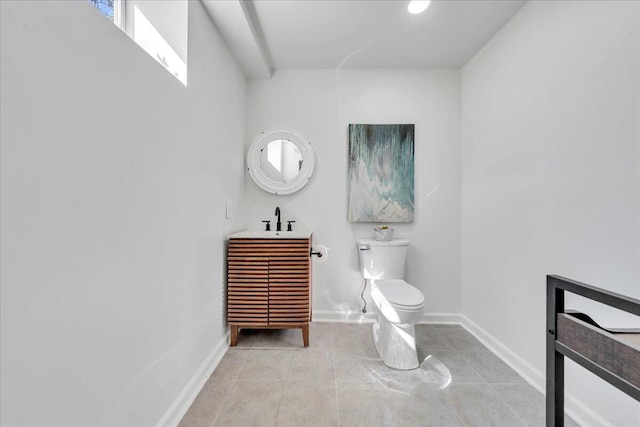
x=365 y=248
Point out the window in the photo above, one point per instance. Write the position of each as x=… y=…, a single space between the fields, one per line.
x=160 y=27
x=104 y=6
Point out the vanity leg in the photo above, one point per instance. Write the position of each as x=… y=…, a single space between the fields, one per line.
x=305 y=335
x=234 y=336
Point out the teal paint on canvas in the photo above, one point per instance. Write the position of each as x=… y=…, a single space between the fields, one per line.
x=381 y=173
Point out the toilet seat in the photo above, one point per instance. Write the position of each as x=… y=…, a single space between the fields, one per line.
x=398 y=294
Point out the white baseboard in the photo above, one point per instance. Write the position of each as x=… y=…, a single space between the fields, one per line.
x=370 y=316
x=576 y=409
x=183 y=402
x=441 y=318
x=340 y=316
x=521 y=366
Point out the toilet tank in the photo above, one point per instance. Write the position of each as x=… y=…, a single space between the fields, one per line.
x=382 y=260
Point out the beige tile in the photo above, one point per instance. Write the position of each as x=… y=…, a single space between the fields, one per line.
x=231 y=364
x=251 y=403
x=528 y=403
x=208 y=403
x=427 y=328
x=308 y=403
x=491 y=368
x=393 y=378
x=407 y=405
x=354 y=367
x=353 y=338
x=479 y=405
x=461 y=340
x=311 y=364
x=246 y=337
x=424 y=405
x=450 y=367
x=321 y=335
x=362 y=404
x=264 y=364
x=444 y=328
x=429 y=339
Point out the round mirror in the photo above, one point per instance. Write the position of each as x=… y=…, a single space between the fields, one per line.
x=280 y=161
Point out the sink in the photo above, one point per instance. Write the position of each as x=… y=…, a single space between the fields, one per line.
x=261 y=234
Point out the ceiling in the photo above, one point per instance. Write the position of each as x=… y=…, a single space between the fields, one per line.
x=267 y=35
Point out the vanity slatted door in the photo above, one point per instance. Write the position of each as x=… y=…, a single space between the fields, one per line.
x=269 y=284
x=248 y=290
x=289 y=283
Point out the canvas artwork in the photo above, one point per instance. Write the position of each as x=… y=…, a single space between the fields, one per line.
x=381 y=171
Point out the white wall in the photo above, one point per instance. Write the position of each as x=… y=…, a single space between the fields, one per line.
x=114 y=181
x=168 y=17
x=550 y=174
x=320 y=105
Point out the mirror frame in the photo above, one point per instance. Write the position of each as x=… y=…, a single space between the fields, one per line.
x=268 y=184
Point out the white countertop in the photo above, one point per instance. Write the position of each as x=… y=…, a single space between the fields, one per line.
x=260 y=234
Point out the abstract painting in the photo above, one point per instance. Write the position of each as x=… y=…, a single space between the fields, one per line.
x=381 y=173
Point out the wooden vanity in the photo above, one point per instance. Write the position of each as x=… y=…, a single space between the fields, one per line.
x=269 y=282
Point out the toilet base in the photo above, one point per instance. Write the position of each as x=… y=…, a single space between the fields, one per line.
x=396 y=344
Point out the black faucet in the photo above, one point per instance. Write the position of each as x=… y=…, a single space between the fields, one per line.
x=278 y=224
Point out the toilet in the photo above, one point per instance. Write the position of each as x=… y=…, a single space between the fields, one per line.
x=398 y=304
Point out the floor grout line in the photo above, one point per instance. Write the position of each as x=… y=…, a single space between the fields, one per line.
x=233 y=386
x=524 y=422
x=449 y=399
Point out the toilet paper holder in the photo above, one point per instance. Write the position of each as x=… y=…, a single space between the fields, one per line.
x=316 y=253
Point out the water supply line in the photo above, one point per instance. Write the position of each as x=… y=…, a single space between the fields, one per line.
x=364 y=309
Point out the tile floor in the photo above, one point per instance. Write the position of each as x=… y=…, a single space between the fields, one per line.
x=270 y=379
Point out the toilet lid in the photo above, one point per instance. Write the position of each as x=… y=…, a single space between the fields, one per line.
x=399 y=293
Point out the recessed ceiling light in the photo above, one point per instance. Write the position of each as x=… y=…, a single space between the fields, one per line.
x=418 y=6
